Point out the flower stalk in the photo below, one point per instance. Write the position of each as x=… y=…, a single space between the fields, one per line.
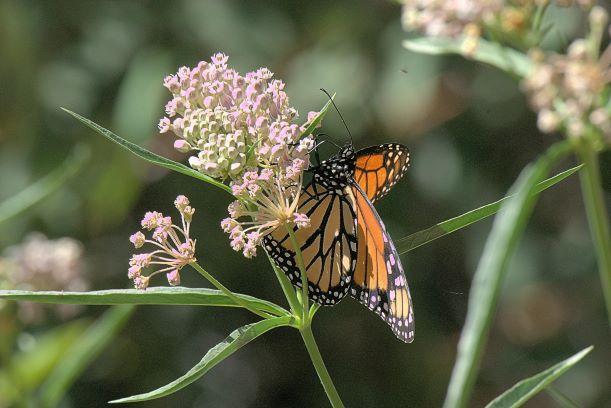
x=596 y=212
x=229 y=293
x=319 y=365
x=287 y=289
x=305 y=326
x=302 y=269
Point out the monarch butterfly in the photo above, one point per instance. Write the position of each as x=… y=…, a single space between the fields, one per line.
x=346 y=249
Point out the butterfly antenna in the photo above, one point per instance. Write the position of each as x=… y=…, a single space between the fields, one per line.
x=339 y=113
x=326 y=140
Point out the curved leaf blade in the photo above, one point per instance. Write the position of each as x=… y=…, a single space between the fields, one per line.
x=83 y=351
x=146 y=154
x=423 y=237
x=488 y=278
x=29 y=368
x=316 y=121
x=151 y=296
x=504 y=58
x=43 y=187
x=235 y=341
x=524 y=390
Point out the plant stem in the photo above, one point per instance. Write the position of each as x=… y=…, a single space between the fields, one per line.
x=304 y=275
x=319 y=365
x=305 y=322
x=287 y=288
x=597 y=216
x=227 y=292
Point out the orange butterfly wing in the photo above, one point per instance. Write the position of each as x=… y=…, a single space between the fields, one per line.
x=379 y=281
x=328 y=245
x=378 y=168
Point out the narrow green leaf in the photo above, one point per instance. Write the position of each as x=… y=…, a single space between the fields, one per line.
x=84 y=351
x=148 y=155
x=517 y=395
x=316 y=121
x=506 y=231
x=43 y=187
x=236 y=340
x=151 y=296
x=420 y=238
x=504 y=58
x=28 y=369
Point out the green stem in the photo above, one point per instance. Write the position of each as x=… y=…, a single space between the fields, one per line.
x=597 y=216
x=313 y=311
x=287 y=288
x=539 y=14
x=319 y=365
x=304 y=275
x=305 y=326
x=227 y=292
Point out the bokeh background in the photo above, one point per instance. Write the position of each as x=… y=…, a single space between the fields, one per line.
x=470 y=132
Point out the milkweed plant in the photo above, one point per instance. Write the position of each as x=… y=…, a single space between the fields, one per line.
x=241 y=135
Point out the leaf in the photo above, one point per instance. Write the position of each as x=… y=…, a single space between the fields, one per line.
x=423 y=237
x=84 y=351
x=319 y=117
x=506 y=231
x=504 y=58
x=40 y=189
x=151 y=296
x=517 y=395
x=148 y=155
x=29 y=368
x=236 y=340
x=139 y=95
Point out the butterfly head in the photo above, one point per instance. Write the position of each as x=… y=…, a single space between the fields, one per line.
x=336 y=171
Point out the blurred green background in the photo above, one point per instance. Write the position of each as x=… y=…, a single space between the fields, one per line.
x=470 y=132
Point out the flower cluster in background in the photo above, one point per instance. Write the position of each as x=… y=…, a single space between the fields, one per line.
x=39 y=263
x=571 y=91
x=241 y=128
x=451 y=18
x=471 y=18
x=173 y=248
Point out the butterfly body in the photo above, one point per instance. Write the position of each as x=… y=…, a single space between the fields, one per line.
x=346 y=249
x=337 y=171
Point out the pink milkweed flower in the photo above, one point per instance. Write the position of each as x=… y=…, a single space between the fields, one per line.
x=173 y=248
x=240 y=128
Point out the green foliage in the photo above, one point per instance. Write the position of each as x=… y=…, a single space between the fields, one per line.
x=318 y=119
x=504 y=58
x=151 y=296
x=235 y=341
x=506 y=231
x=148 y=155
x=84 y=351
x=441 y=229
x=517 y=395
x=36 y=192
x=29 y=368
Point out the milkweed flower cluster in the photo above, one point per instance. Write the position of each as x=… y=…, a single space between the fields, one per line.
x=439 y=18
x=173 y=248
x=469 y=18
x=571 y=91
x=241 y=129
x=40 y=263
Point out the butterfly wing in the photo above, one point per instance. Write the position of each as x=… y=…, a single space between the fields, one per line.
x=328 y=245
x=379 y=280
x=378 y=168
